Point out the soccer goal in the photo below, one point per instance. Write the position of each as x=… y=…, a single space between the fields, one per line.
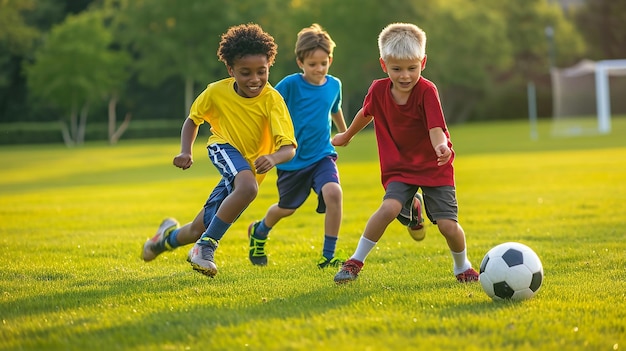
x=585 y=96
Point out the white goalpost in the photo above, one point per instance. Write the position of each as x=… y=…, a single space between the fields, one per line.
x=583 y=96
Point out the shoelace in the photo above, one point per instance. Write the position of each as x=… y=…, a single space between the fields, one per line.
x=351 y=267
x=258 y=247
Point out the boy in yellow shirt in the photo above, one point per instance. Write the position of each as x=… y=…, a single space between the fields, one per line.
x=251 y=133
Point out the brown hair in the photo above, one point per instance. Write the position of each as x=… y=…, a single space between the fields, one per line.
x=312 y=38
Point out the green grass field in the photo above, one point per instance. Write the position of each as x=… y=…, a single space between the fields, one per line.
x=74 y=222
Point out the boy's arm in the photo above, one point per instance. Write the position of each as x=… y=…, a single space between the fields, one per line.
x=339 y=120
x=188 y=135
x=440 y=143
x=266 y=162
x=359 y=122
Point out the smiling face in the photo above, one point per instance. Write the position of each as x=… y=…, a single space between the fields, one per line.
x=404 y=73
x=251 y=73
x=315 y=66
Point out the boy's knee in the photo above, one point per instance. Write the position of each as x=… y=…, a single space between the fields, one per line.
x=447 y=226
x=332 y=193
x=248 y=190
x=390 y=208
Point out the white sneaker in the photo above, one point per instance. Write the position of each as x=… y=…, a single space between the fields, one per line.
x=158 y=244
x=201 y=257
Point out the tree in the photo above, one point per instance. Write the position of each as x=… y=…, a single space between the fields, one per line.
x=75 y=69
x=467 y=43
x=17 y=38
x=174 y=40
x=604 y=26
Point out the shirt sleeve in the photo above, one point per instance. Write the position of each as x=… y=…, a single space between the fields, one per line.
x=433 y=110
x=281 y=125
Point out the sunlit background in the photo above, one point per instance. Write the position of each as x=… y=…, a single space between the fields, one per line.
x=131 y=68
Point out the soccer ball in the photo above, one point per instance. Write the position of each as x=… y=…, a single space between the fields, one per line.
x=511 y=271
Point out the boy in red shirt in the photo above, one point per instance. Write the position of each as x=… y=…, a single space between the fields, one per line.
x=414 y=150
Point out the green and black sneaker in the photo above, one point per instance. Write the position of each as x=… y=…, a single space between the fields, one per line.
x=257 y=246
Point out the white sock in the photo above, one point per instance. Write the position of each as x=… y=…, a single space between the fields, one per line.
x=461 y=263
x=363 y=249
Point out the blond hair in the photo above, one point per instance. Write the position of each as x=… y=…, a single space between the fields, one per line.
x=404 y=41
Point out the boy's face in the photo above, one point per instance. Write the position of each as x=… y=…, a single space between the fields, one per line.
x=404 y=74
x=315 y=66
x=251 y=73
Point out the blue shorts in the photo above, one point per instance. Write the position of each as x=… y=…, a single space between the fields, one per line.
x=294 y=187
x=229 y=162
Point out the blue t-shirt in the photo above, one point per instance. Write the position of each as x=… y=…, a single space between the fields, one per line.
x=310 y=107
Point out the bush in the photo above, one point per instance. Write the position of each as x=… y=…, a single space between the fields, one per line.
x=50 y=132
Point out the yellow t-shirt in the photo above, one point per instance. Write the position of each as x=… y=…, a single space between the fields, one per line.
x=255 y=126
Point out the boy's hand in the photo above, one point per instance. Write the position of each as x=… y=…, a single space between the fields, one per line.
x=340 y=139
x=443 y=154
x=183 y=160
x=264 y=163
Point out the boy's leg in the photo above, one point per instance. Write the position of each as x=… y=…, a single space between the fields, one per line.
x=258 y=232
x=332 y=198
x=189 y=233
x=442 y=209
x=412 y=216
x=396 y=195
x=159 y=242
x=293 y=189
x=325 y=183
x=236 y=190
x=202 y=254
x=169 y=236
x=374 y=230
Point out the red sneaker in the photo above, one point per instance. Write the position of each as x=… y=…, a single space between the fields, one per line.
x=349 y=271
x=469 y=275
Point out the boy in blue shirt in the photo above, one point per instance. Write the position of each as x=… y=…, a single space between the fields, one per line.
x=313 y=98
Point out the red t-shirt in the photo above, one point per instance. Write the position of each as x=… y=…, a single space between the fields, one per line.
x=404 y=148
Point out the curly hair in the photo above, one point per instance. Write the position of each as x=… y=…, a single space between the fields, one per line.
x=246 y=39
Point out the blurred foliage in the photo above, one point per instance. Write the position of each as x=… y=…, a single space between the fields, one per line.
x=16 y=35
x=603 y=22
x=481 y=53
x=76 y=69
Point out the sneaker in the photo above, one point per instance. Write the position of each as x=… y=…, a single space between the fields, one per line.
x=349 y=271
x=158 y=244
x=201 y=257
x=413 y=218
x=257 y=246
x=469 y=275
x=324 y=262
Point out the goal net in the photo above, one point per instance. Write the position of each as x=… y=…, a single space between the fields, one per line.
x=585 y=96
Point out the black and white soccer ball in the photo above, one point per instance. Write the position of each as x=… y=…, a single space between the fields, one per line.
x=511 y=271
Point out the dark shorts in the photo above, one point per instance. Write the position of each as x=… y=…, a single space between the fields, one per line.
x=229 y=162
x=439 y=202
x=294 y=187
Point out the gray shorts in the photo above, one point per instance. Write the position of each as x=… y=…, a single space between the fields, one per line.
x=439 y=202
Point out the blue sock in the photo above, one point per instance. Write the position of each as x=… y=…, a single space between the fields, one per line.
x=330 y=242
x=262 y=230
x=216 y=230
x=172 y=240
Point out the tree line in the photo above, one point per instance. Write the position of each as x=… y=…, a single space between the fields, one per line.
x=118 y=61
